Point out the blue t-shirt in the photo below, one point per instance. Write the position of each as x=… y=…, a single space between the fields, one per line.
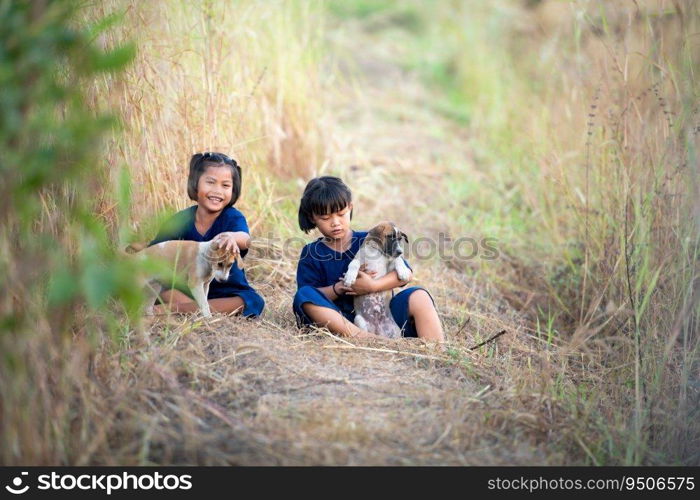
x=181 y=227
x=320 y=266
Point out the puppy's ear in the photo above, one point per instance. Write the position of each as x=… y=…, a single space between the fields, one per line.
x=404 y=237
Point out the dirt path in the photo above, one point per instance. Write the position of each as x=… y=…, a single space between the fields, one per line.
x=240 y=392
x=236 y=392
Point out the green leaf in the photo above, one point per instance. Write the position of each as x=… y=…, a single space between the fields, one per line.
x=114 y=59
x=98 y=284
x=104 y=24
x=62 y=287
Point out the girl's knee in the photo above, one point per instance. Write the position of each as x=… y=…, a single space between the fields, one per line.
x=174 y=296
x=232 y=305
x=311 y=307
x=319 y=313
x=420 y=299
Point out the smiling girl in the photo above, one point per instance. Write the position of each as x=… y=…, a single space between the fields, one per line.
x=214 y=182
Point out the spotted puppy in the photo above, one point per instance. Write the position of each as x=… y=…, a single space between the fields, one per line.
x=381 y=253
x=194 y=263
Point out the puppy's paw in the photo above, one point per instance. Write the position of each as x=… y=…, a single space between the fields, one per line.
x=360 y=322
x=402 y=270
x=350 y=278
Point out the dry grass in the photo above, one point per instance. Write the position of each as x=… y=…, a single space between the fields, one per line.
x=595 y=284
x=235 y=391
x=240 y=392
x=213 y=77
x=557 y=380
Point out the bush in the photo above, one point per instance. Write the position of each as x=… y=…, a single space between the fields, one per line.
x=57 y=263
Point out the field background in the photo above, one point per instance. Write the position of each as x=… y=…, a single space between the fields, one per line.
x=565 y=131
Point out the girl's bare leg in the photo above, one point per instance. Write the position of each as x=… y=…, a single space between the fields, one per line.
x=334 y=321
x=422 y=309
x=176 y=301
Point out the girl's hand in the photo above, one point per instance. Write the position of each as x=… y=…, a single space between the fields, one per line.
x=340 y=289
x=353 y=290
x=228 y=243
x=363 y=284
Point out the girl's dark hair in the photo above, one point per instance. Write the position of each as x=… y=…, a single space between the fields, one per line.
x=199 y=164
x=323 y=195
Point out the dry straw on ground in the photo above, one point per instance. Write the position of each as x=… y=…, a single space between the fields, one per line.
x=262 y=392
x=235 y=391
x=583 y=373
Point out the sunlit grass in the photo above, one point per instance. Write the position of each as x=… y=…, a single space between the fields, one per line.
x=574 y=133
x=581 y=151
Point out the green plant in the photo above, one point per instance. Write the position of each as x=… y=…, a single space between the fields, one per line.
x=60 y=268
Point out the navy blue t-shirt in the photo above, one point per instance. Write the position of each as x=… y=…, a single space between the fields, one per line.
x=181 y=227
x=320 y=266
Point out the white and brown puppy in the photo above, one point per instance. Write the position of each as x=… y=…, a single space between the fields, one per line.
x=381 y=253
x=194 y=263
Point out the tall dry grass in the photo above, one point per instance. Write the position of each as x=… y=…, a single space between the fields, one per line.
x=581 y=120
x=590 y=136
x=241 y=78
x=60 y=281
x=629 y=202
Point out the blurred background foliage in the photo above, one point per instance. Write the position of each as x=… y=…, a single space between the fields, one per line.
x=62 y=284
